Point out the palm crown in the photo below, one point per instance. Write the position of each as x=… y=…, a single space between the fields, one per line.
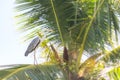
x=78 y=25
x=74 y=25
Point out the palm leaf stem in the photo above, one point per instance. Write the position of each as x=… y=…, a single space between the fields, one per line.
x=85 y=36
x=57 y=21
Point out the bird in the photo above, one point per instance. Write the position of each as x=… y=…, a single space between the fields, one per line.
x=32 y=47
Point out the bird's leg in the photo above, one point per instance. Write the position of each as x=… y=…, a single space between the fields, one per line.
x=35 y=59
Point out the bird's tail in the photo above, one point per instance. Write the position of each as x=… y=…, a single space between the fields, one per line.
x=26 y=53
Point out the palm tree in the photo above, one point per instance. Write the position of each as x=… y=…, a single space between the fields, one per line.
x=77 y=28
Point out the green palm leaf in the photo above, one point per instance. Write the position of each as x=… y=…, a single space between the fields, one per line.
x=114 y=73
x=8 y=69
x=34 y=72
x=112 y=56
x=70 y=21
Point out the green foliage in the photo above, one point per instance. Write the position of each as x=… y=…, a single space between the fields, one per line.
x=78 y=25
x=34 y=72
x=112 y=56
x=67 y=21
x=115 y=73
x=9 y=70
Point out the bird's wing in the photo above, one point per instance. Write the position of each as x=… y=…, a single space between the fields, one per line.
x=32 y=46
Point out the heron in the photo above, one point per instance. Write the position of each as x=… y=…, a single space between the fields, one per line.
x=32 y=47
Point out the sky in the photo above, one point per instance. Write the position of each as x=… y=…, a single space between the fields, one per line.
x=11 y=46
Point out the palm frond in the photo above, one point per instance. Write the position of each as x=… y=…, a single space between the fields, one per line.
x=43 y=14
x=57 y=57
x=70 y=21
x=114 y=74
x=108 y=56
x=88 y=64
x=112 y=56
x=8 y=69
x=38 y=72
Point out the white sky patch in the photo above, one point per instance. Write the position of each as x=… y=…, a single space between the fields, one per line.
x=11 y=50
